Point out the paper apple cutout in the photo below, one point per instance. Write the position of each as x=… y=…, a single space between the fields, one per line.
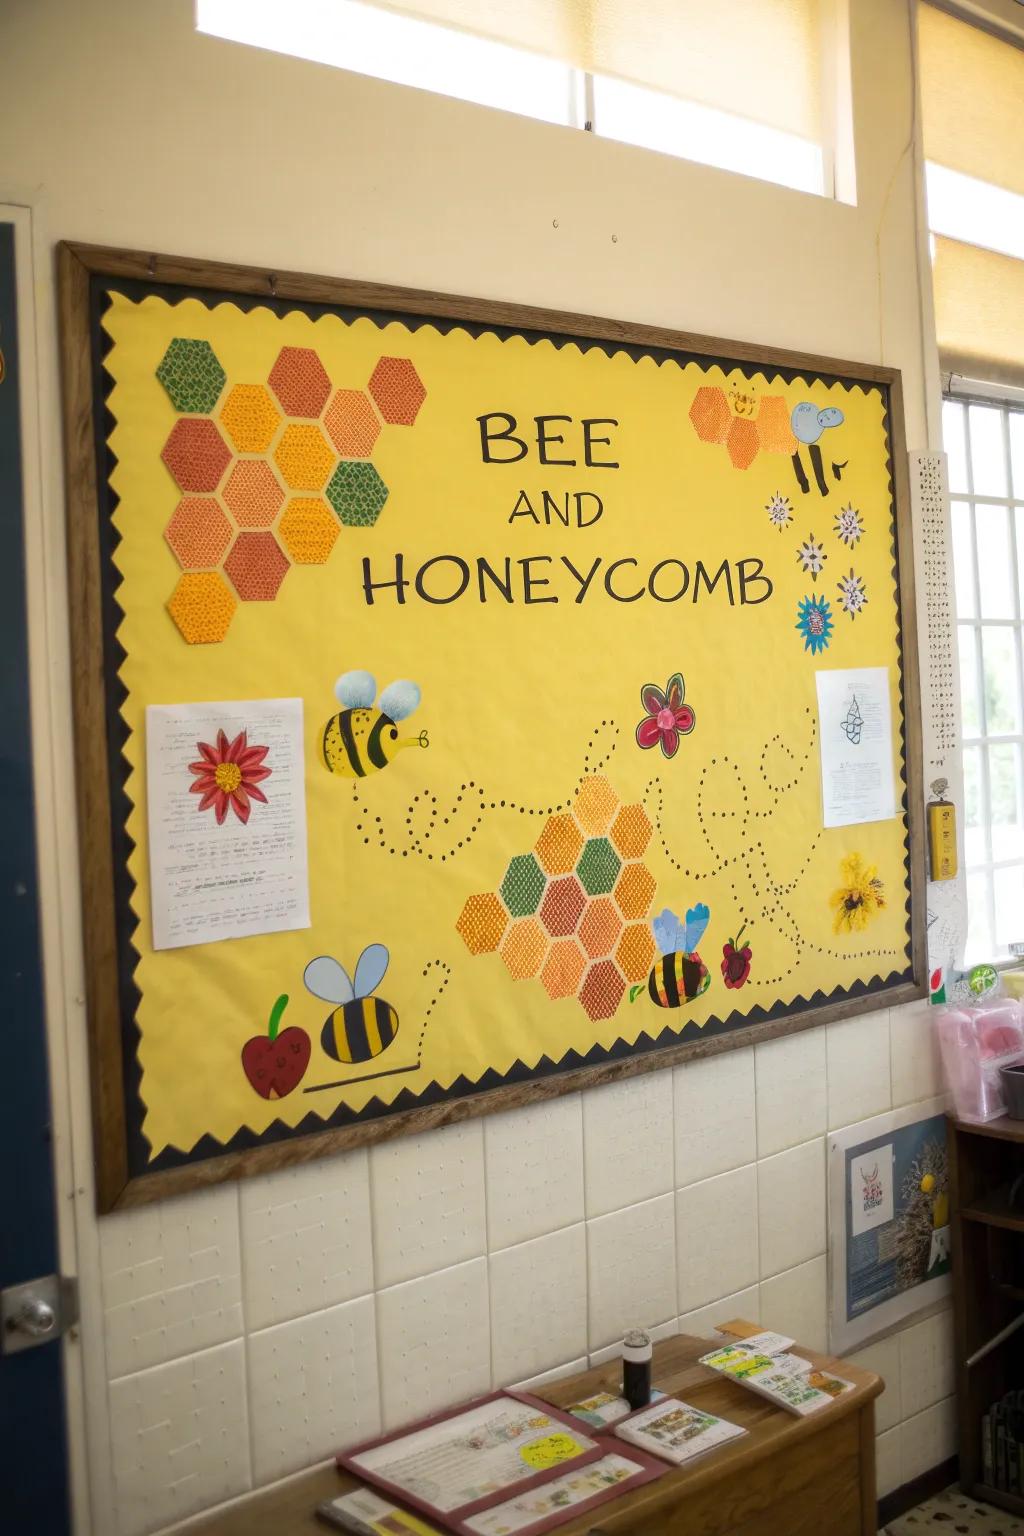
x=275 y=1063
x=736 y=960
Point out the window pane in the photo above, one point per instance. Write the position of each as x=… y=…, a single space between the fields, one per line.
x=979 y=936
x=955 y=444
x=1016 y=420
x=988 y=454
x=998 y=650
x=971 y=725
x=1008 y=890
x=963 y=560
x=993 y=529
x=975 y=841
x=1004 y=798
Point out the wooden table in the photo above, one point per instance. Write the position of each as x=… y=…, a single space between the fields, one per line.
x=787 y=1477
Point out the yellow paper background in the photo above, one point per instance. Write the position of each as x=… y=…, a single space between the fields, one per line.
x=519 y=700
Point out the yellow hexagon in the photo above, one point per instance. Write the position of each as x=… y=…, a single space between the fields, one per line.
x=303 y=457
x=524 y=948
x=558 y=846
x=634 y=890
x=596 y=804
x=481 y=923
x=631 y=831
x=202 y=607
x=308 y=530
x=250 y=418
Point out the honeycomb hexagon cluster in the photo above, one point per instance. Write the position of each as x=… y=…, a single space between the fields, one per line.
x=573 y=912
x=714 y=421
x=268 y=473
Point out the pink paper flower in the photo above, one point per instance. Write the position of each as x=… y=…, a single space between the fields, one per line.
x=667 y=716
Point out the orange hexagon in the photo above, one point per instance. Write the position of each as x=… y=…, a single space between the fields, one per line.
x=773 y=427
x=524 y=948
x=562 y=969
x=257 y=566
x=635 y=951
x=631 y=831
x=558 y=846
x=634 y=890
x=352 y=424
x=253 y=494
x=308 y=530
x=602 y=989
x=250 y=418
x=596 y=804
x=299 y=380
x=196 y=454
x=304 y=458
x=481 y=924
x=710 y=414
x=397 y=390
x=198 y=532
x=742 y=442
x=202 y=607
x=600 y=927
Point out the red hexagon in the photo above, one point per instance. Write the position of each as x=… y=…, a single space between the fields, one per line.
x=198 y=532
x=299 y=380
x=397 y=390
x=196 y=454
x=562 y=906
x=257 y=566
x=602 y=989
x=352 y=424
x=253 y=494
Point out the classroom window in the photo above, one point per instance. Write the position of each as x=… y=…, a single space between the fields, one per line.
x=781 y=143
x=984 y=443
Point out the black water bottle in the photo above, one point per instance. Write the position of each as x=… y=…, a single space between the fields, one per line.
x=637 y=1351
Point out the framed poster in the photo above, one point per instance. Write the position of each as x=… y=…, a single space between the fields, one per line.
x=447 y=705
x=888 y=1222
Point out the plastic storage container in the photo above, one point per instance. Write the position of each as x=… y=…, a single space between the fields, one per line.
x=975 y=1042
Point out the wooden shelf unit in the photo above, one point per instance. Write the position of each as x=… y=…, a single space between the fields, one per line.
x=988 y=1282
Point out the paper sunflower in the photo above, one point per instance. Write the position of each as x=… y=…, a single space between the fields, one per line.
x=814 y=621
x=860 y=897
x=229 y=774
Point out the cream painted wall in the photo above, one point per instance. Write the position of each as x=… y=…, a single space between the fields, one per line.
x=229 y=1338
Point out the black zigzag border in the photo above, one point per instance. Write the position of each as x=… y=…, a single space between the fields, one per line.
x=139 y=1160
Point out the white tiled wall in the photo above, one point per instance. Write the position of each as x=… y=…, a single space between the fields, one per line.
x=255 y=1328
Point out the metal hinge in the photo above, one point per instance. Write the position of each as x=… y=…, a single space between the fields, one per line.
x=37 y=1312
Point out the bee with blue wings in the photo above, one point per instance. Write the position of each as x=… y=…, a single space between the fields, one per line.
x=680 y=975
x=361 y=739
x=361 y=1026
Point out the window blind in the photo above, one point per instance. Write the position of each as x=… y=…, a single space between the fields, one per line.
x=972 y=101
x=760 y=59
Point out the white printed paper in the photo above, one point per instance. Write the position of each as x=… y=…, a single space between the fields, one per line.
x=871 y=1200
x=227 y=820
x=855 y=721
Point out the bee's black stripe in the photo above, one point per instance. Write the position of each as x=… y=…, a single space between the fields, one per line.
x=348 y=741
x=355 y=1031
x=374 y=750
x=386 y=1022
x=671 y=982
x=691 y=977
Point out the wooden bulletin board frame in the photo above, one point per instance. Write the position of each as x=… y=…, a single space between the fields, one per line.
x=102 y=842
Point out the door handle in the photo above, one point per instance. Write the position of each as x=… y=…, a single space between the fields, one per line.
x=36 y=1312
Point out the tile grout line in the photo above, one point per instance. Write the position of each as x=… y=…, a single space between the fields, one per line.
x=250 y=1417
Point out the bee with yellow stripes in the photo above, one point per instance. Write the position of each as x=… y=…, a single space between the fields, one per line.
x=361 y=739
x=361 y=1026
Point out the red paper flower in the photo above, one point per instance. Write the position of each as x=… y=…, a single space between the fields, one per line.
x=667 y=717
x=229 y=775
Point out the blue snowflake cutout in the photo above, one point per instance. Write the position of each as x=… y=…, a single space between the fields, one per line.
x=814 y=621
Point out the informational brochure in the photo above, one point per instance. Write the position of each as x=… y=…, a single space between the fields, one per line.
x=227 y=820
x=787 y=1380
x=559 y=1500
x=468 y=1457
x=858 y=781
x=365 y=1513
x=605 y=1408
x=676 y=1431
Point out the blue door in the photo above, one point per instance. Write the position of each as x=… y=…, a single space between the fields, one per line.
x=33 y=1452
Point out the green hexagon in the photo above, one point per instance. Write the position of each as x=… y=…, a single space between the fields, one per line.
x=598 y=866
x=523 y=885
x=191 y=375
x=357 y=493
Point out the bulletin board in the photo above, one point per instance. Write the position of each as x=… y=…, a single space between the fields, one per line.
x=524 y=616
